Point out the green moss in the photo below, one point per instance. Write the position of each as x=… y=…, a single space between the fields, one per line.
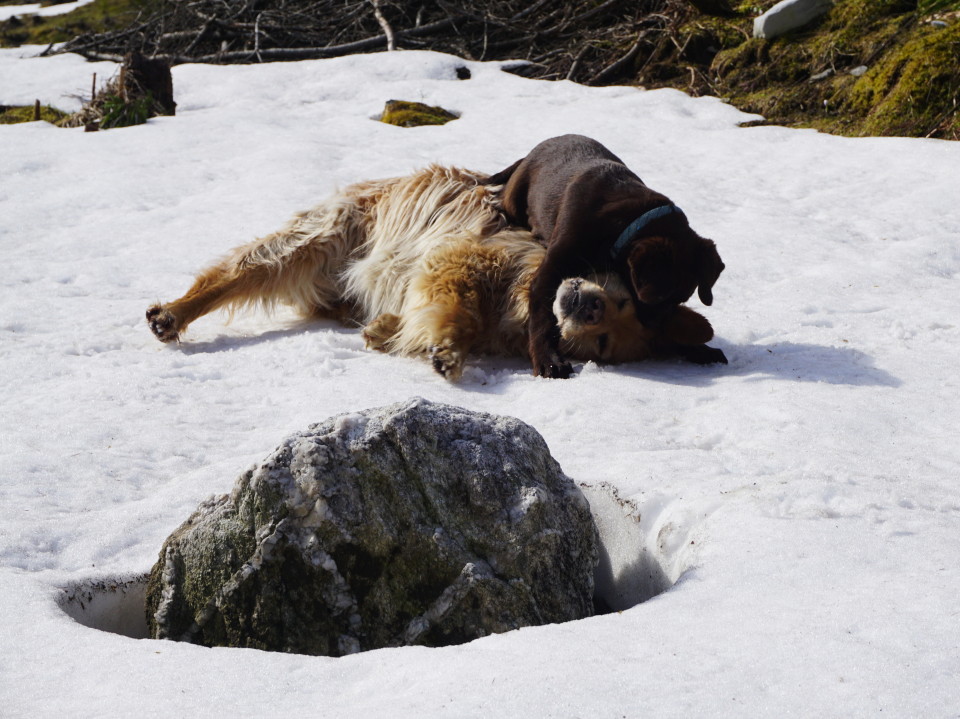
x=98 y=16
x=932 y=6
x=811 y=77
x=865 y=12
x=753 y=8
x=27 y=113
x=702 y=37
x=414 y=114
x=913 y=89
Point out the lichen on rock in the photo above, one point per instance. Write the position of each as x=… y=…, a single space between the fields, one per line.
x=416 y=523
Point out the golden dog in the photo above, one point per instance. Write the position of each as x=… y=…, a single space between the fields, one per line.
x=428 y=264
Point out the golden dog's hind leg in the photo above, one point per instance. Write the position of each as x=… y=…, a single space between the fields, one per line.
x=446 y=332
x=300 y=266
x=456 y=326
x=216 y=287
x=267 y=271
x=456 y=296
x=290 y=266
x=244 y=278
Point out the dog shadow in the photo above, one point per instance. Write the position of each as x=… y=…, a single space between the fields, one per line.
x=790 y=361
x=812 y=363
x=346 y=338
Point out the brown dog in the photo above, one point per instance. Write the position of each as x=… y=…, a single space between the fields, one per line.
x=592 y=212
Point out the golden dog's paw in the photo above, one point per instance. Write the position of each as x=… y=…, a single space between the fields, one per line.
x=380 y=331
x=163 y=324
x=687 y=327
x=447 y=360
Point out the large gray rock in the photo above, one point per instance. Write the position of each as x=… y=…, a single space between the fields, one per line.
x=416 y=523
x=789 y=15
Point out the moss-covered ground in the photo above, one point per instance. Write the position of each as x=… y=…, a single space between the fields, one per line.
x=414 y=114
x=98 y=16
x=27 y=113
x=867 y=67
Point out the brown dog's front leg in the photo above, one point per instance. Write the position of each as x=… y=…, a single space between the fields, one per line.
x=543 y=333
x=547 y=361
x=566 y=257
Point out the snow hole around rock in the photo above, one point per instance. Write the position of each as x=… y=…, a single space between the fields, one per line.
x=642 y=554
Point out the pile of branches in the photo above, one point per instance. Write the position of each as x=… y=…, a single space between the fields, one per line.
x=589 y=42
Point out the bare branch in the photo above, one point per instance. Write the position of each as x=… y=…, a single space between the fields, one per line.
x=575 y=65
x=387 y=30
x=256 y=38
x=621 y=63
x=566 y=38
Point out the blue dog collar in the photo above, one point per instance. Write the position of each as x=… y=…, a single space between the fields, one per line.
x=633 y=229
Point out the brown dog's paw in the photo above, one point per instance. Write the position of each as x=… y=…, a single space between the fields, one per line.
x=546 y=360
x=554 y=367
x=560 y=370
x=702 y=354
x=379 y=332
x=163 y=324
x=447 y=360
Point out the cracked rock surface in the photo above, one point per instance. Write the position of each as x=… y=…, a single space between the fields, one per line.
x=415 y=523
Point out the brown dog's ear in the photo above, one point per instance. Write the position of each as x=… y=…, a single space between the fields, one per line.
x=708 y=271
x=636 y=262
x=648 y=262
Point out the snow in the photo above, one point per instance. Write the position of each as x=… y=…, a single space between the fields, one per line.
x=8 y=11
x=800 y=503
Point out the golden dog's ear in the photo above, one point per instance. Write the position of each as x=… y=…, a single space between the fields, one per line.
x=709 y=268
x=686 y=327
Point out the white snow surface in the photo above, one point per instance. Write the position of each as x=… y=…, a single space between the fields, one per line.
x=802 y=501
x=8 y=11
